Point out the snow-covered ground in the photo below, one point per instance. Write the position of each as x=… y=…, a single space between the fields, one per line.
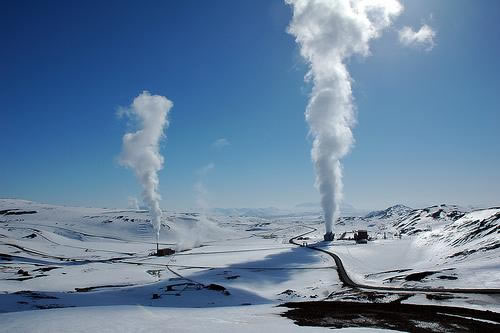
x=456 y=247
x=59 y=265
x=136 y=319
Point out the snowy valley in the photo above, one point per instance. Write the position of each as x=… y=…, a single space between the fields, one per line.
x=68 y=262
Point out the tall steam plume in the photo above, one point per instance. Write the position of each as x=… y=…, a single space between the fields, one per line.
x=329 y=32
x=140 y=150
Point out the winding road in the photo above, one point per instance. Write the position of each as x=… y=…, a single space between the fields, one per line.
x=344 y=277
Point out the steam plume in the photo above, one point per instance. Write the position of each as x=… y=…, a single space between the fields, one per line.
x=329 y=32
x=200 y=189
x=140 y=150
x=192 y=233
x=133 y=203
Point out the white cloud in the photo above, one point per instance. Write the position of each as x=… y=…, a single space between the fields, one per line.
x=220 y=143
x=422 y=38
x=205 y=169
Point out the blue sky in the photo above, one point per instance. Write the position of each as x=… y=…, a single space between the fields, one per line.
x=427 y=127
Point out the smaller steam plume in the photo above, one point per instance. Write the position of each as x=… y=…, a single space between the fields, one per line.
x=133 y=203
x=200 y=189
x=140 y=151
x=190 y=234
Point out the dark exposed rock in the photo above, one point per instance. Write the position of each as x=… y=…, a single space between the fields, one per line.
x=16 y=212
x=418 y=276
x=393 y=316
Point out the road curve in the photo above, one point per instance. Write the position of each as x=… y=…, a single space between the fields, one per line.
x=344 y=277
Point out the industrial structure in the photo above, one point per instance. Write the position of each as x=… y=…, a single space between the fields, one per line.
x=329 y=236
x=361 y=236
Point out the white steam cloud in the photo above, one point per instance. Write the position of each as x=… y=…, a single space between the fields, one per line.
x=329 y=32
x=201 y=191
x=191 y=233
x=424 y=37
x=133 y=203
x=140 y=150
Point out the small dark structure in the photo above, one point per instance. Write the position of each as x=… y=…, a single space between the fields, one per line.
x=329 y=236
x=361 y=236
x=164 y=252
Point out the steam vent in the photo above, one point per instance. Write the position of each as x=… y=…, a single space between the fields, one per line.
x=329 y=236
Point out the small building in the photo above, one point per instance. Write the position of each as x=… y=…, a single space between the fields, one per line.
x=164 y=252
x=361 y=236
x=329 y=236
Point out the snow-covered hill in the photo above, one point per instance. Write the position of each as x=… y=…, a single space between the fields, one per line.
x=442 y=242
x=393 y=212
x=474 y=233
x=69 y=257
x=426 y=219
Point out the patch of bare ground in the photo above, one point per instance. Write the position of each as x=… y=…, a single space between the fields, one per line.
x=395 y=316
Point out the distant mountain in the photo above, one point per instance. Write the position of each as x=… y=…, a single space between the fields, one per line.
x=316 y=205
x=257 y=212
x=305 y=208
x=308 y=205
x=427 y=219
x=395 y=211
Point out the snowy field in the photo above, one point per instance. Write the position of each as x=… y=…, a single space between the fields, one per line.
x=60 y=266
